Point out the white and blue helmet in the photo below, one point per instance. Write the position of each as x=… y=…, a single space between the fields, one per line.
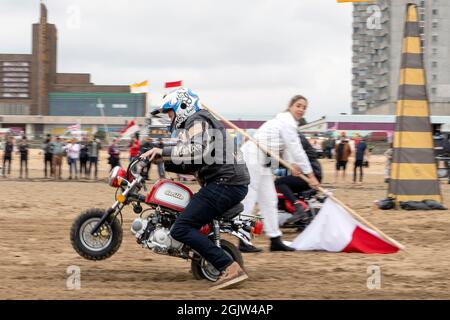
x=183 y=101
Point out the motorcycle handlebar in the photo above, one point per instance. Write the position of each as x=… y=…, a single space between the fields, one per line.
x=133 y=164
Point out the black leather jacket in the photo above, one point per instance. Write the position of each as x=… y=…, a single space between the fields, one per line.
x=312 y=156
x=206 y=154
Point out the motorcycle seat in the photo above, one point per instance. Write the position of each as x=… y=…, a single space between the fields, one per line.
x=233 y=212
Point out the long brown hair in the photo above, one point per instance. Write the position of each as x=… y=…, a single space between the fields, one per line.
x=294 y=99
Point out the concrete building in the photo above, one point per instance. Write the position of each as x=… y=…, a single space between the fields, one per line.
x=377 y=41
x=37 y=99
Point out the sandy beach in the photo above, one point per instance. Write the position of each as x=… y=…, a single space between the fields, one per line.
x=36 y=215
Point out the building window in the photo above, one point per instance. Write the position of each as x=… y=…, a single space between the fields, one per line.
x=434 y=24
x=435 y=50
x=433 y=90
x=13 y=95
x=434 y=77
x=435 y=12
x=434 y=38
x=15 y=64
x=434 y=64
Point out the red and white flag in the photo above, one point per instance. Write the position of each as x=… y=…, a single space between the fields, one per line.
x=173 y=84
x=335 y=230
x=75 y=127
x=130 y=129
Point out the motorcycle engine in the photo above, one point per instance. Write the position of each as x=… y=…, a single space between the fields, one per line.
x=155 y=237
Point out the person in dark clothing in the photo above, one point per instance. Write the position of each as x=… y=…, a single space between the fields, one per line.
x=48 y=155
x=329 y=145
x=289 y=185
x=94 y=146
x=23 y=151
x=446 y=153
x=360 y=153
x=84 y=157
x=114 y=154
x=222 y=174
x=7 y=154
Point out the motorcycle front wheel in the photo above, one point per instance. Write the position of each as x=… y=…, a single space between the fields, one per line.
x=100 y=246
x=202 y=269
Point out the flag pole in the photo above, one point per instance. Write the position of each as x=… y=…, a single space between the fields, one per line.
x=305 y=178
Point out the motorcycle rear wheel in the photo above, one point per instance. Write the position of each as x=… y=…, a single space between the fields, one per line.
x=204 y=270
x=98 y=247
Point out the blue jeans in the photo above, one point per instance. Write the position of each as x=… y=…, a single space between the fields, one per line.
x=209 y=203
x=73 y=166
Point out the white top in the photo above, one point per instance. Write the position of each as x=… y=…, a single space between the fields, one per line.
x=73 y=150
x=280 y=136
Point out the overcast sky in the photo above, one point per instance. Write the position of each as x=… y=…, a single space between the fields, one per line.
x=241 y=56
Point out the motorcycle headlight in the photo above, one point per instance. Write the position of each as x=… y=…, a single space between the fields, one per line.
x=116 y=177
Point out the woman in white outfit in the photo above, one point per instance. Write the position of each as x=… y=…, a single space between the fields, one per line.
x=280 y=136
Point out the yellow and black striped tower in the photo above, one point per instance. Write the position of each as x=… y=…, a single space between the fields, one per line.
x=413 y=168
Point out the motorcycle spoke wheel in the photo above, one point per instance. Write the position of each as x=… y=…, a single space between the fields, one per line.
x=99 y=241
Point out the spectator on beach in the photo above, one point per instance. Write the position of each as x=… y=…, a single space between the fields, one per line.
x=94 y=147
x=47 y=147
x=388 y=154
x=343 y=152
x=328 y=145
x=58 y=154
x=84 y=157
x=73 y=154
x=114 y=154
x=361 y=154
x=23 y=147
x=135 y=146
x=7 y=154
x=159 y=161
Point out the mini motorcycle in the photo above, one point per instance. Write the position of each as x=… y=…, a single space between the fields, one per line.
x=96 y=234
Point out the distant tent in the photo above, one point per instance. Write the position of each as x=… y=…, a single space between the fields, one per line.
x=413 y=168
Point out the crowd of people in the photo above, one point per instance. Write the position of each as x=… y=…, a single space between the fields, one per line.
x=82 y=156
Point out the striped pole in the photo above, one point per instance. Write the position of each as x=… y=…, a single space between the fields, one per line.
x=413 y=168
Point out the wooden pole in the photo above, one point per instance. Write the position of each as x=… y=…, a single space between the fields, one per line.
x=305 y=178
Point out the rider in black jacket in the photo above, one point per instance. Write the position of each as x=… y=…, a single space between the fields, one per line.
x=205 y=150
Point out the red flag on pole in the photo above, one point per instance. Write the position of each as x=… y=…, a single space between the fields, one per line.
x=131 y=128
x=173 y=84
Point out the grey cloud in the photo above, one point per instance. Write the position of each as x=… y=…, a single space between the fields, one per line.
x=247 y=55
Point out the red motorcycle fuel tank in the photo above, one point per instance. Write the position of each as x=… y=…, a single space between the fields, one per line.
x=169 y=194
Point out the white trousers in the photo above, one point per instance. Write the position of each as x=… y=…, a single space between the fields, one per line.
x=261 y=190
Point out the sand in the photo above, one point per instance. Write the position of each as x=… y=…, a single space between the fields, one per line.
x=35 y=251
